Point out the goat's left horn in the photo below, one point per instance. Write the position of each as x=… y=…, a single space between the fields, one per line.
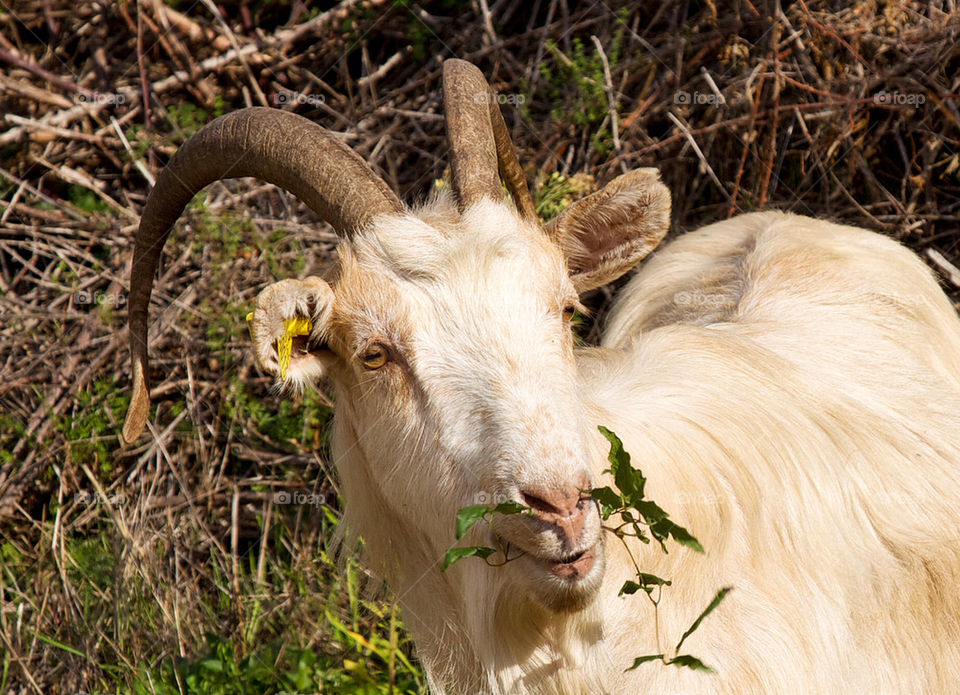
x=277 y=146
x=480 y=143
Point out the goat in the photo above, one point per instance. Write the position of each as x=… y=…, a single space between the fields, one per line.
x=790 y=387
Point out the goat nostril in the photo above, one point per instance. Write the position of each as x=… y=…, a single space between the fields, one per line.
x=561 y=510
x=538 y=505
x=553 y=502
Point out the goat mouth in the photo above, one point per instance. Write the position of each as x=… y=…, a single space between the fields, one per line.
x=565 y=582
x=572 y=567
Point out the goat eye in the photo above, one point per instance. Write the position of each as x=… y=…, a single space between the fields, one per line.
x=375 y=357
x=568 y=312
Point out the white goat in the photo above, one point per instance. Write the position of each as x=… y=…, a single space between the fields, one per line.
x=790 y=387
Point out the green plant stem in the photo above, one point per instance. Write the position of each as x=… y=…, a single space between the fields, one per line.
x=505 y=549
x=656 y=603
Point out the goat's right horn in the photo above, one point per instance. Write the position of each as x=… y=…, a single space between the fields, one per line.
x=480 y=145
x=279 y=147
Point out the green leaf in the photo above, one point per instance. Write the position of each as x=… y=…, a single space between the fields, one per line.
x=717 y=600
x=631 y=587
x=510 y=507
x=690 y=662
x=650 y=511
x=609 y=500
x=644 y=659
x=684 y=537
x=629 y=480
x=647 y=582
x=627 y=497
x=456 y=554
x=665 y=528
x=468 y=516
x=653 y=580
x=617 y=453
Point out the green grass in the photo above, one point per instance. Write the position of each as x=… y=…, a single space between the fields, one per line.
x=297 y=623
x=189 y=118
x=88 y=427
x=290 y=424
x=86 y=200
x=12 y=431
x=554 y=193
x=576 y=86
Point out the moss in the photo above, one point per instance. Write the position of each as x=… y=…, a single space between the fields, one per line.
x=89 y=430
x=586 y=105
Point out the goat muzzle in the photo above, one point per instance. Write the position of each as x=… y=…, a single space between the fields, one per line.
x=565 y=509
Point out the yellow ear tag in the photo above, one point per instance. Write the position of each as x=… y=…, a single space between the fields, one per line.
x=250 y=324
x=293 y=327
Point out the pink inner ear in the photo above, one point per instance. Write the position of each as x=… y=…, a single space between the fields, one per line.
x=598 y=237
x=607 y=233
x=607 y=240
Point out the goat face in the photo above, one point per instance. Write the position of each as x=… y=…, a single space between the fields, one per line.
x=444 y=331
x=448 y=339
x=451 y=351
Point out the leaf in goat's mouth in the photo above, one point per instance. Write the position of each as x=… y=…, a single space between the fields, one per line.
x=455 y=554
x=467 y=517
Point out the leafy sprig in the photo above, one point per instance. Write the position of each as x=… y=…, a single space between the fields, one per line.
x=638 y=516
x=630 y=504
x=467 y=518
x=642 y=518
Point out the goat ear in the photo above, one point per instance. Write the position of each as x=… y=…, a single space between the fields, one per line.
x=607 y=233
x=292 y=317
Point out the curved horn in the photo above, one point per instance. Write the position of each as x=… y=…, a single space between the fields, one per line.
x=277 y=146
x=480 y=144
